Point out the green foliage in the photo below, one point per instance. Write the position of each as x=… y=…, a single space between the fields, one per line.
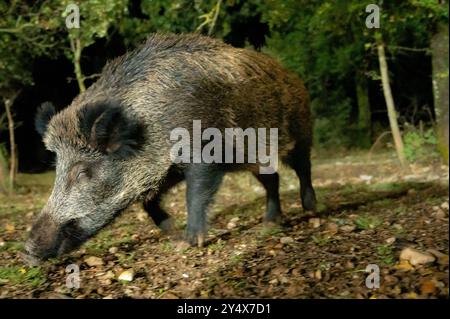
x=26 y=31
x=419 y=144
x=386 y=254
x=33 y=277
x=97 y=16
x=367 y=222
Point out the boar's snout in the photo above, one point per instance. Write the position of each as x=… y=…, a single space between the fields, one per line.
x=49 y=239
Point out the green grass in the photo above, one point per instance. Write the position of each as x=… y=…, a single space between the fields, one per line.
x=367 y=222
x=33 y=277
x=216 y=246
x=386 y=254
x=236 y=259
x=12 y=246
x=270 y=230
x=321 y=240
x=126 y=259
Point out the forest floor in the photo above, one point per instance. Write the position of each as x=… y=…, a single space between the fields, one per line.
x=370 y=212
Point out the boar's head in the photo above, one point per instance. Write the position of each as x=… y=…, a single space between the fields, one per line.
x=97 y=150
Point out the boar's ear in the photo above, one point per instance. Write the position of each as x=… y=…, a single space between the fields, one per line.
x=44 y=114
x=108 y=130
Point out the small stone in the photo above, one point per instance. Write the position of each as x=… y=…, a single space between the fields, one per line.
x=113 y=250
x=93 y=261
x=126 y=275
x=416 y=257
x=286 y=240
x=318 y=274
x=2 y=242
x=232 y=223
x=439 y=214
x=390 y=240
x=185 y=275
x=348 y=228
x=314 y=222
x=444 y=205
x=366 y=178
x=274 y=282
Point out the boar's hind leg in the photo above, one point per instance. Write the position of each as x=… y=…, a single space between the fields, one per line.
x=299 y=160
x=202 y=182
x=271 y=183
x=153 y=206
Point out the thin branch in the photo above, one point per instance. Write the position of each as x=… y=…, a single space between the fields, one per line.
x=401 y=48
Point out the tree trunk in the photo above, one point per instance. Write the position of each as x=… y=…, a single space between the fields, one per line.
x=440 y=61
x=392 y=114
x=9 y=101
x=75 y=45
x=364 y=116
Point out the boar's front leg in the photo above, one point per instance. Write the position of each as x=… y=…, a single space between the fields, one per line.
x=202 y=182
x=153 y=205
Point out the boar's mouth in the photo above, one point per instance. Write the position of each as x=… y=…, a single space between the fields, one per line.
x=53 y=241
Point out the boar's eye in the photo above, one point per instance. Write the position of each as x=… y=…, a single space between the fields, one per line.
x=78 y=173
x=83 y=174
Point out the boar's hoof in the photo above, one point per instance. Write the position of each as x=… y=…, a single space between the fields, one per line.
x=309 y=200
x=196 y=239
x=167 y=225
x=272 y=220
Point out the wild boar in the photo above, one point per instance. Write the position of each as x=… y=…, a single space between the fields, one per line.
x=113 y=145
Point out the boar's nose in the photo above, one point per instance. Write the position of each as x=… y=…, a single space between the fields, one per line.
x=43 y=238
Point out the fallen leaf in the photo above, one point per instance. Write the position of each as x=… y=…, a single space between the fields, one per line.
x=404 y=265
x=427 y=287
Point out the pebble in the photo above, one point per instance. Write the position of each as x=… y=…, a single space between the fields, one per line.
x=314 y=222
x=416 y=257
x=232 y=223
x=444 y=205
x=126 y=275
x=440 y=214
x=390 y=240
x=318 y=274
x=348 y=228
x=93 y=261
x=113 y=250
x=286 y=240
